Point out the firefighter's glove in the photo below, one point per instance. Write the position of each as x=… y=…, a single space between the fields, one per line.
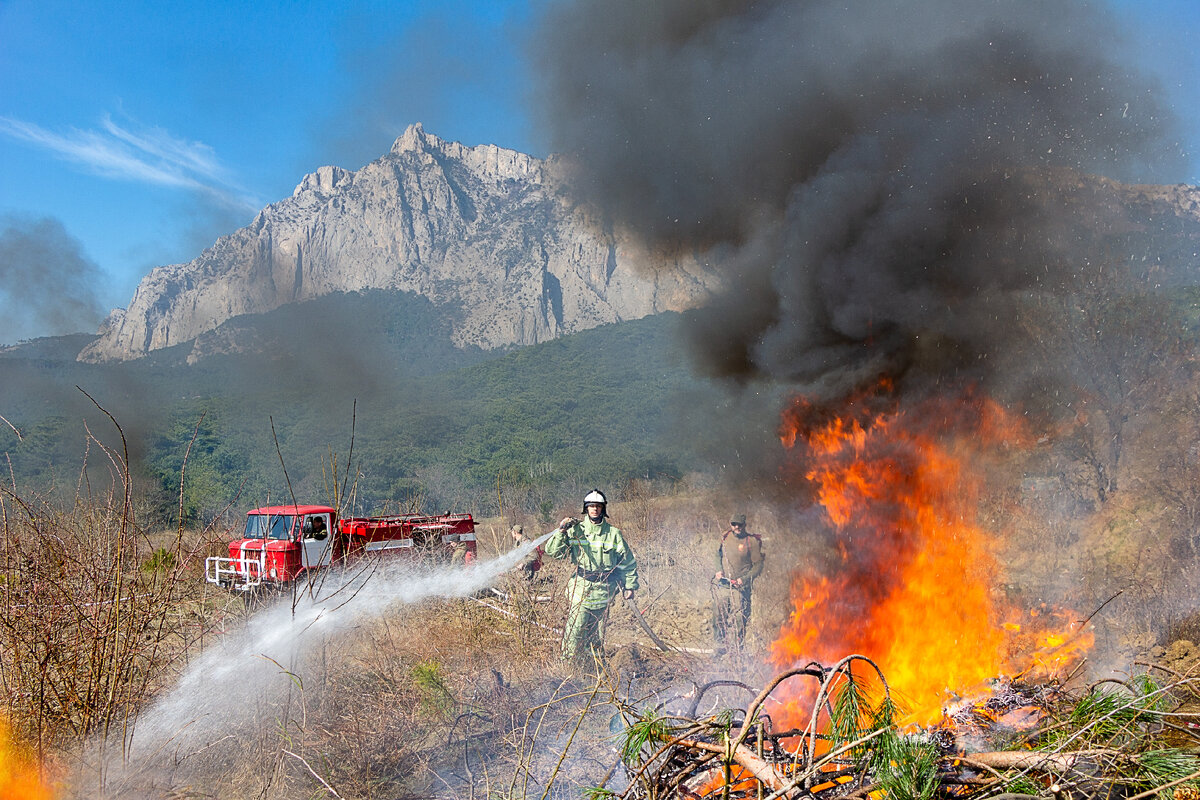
x=629 y=594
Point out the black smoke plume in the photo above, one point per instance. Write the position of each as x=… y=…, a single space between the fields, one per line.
x=47 y=285
x=877 y=179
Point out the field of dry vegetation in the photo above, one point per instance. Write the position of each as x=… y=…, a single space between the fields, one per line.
x=466 y=697
x=101 y=617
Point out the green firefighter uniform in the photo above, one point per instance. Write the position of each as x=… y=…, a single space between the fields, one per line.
x=604 y=567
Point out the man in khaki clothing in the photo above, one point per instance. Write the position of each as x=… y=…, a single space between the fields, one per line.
x=532 y=563
x=739 y=562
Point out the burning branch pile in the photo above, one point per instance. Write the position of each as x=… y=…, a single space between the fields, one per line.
x=901 y=489
x=1114 y=739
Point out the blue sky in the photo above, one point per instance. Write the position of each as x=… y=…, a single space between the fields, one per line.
x=150 y=128
x=144 y=130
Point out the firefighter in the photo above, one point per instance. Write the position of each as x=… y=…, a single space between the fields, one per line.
x=604 y=567
x=739 y=562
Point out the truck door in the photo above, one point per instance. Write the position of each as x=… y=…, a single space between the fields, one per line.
x=316 y=541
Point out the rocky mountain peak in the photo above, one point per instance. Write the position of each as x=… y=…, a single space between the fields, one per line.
x=413 y=140
x=479 y=231
x=487 y=159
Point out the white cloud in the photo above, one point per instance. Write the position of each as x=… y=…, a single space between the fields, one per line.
x=150 y=155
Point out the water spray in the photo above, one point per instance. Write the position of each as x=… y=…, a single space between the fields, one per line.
x=224 y=688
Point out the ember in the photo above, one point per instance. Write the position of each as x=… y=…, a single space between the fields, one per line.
x=1007 y=712
x=913 y=589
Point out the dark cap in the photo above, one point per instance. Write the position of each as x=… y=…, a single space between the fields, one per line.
x=738 y=519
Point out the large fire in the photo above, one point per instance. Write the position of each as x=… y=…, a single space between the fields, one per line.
x=914 y=587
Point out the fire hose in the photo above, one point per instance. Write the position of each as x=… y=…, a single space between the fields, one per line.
x=639 y=615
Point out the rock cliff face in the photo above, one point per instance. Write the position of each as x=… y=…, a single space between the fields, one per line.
x=480 y=230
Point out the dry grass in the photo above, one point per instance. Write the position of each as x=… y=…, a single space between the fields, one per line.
x=446 y=695
x=97 y=614
x=455 y=698
x=387 y=709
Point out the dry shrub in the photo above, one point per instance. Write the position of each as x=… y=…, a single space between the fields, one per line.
x=96 y=614
x=418 y=700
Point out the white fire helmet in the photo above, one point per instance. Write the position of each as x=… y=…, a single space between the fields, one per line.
x=596 y=496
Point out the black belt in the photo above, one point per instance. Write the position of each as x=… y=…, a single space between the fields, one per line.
x=600 y=576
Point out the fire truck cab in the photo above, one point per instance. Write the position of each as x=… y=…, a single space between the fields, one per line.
x=281 y=544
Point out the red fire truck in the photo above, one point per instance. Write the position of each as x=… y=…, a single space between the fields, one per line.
x=284 y=543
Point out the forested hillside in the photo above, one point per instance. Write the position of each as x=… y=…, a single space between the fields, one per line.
x=419 y=422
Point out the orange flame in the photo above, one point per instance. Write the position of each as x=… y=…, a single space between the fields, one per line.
x=716 y=782
x=913 y=591
x=20 y=777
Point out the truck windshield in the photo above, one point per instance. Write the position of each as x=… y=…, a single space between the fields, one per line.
x=276 y=526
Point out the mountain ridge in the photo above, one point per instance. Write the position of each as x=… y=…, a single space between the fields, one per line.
x=481 y=231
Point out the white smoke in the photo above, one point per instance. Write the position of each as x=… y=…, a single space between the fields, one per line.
x=221 y=691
